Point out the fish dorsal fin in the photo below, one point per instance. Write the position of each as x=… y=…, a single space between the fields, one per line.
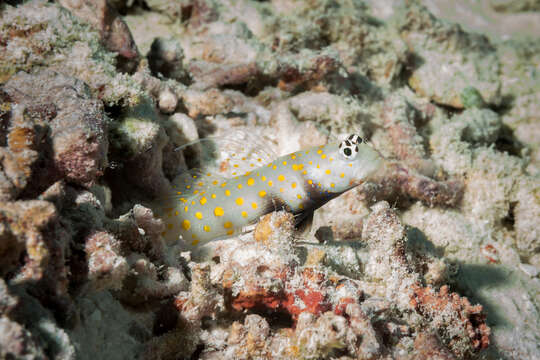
x=231 y=155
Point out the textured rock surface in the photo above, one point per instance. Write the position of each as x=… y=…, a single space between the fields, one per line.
x=438 y=257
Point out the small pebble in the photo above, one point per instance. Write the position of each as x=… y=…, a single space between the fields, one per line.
x=167 y=101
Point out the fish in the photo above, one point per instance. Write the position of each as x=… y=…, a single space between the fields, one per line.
x=206 y=206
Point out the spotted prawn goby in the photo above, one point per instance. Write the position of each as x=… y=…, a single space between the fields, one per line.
x=206 y=207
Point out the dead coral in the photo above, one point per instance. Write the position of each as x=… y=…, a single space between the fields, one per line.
x=461 y=324
x=62 y=108
x=114 y=33
x=313 y=70
x=154 y=273
x=34 y=250
x=428 y=346
x=40 y=34
x=467 y=59
x=17 y=342
x=19 y=157
x=106 y=267
x=137 y=141
x=400 y=181
x=400 y=119
x=7 y=301
x=364 y=47
x=208 y=75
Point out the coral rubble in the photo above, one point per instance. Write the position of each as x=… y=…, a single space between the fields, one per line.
x=103 y=103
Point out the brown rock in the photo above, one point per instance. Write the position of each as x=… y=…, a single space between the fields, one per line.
x=60 y=130
x=114 y=32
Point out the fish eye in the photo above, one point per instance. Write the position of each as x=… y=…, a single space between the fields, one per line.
x=348 y=150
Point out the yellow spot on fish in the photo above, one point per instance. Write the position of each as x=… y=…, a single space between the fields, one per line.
x=235 y=165
x=188 y=186
x=194 y=242
x=247 y=173
x=250 y=182
x=332 y=185
x=323 y=156
x=327 y=172
x=198 y=215
x=227 y=225
x=331 y=159
x=193 y=202
x=293 y=156
x=274 y=167
x=310 y=182
x=239 y=186
x=208 y=174
x=263 y=178
x=293 y=185
x=213 y=196
x=244 y=214
x=230 y=232
x=186 y=224
x=318 y=167
x=319 y=151
x=223 y=184
x=169 y=226
x=178 y=193
x=262 y=193
x=218 y=211
x=244 y=158
x=200 y=183
x=194 y=176
x=254 y=205
x=301 y=206
x=270 y=183
x=284 y=163
x=203 y=200
x=215 y=182
x=185 y=208
x=227 y=193
x=350 y=165
x=295 y=167
x=310 y=162
x=281 y=178
x=341 y=175
x=281 y=189
x=259 y=159
x=206 y=228
x=239 y=201
x=304 y=172
x=299 y=196
x=176 y=213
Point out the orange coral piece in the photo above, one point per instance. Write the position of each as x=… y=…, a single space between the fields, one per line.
x=430 y=303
